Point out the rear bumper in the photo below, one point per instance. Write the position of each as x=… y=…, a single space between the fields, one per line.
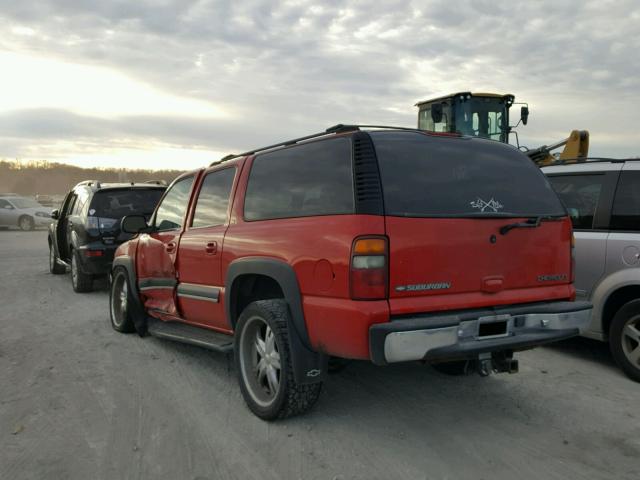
x=461 y=335
x=96 y=265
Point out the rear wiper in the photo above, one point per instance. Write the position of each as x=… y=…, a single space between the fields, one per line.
x=532 y=222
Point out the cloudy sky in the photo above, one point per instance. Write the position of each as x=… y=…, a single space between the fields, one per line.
x=178 y=83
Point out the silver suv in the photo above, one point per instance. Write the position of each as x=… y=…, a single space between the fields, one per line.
x=603 y=199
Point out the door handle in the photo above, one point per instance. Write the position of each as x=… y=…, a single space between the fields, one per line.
x=211 y=248
x=170 y=247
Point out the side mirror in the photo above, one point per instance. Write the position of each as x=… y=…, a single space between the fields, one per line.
x=436 y=112
x=8 y=207
x=524 y=114
x=55 y=214
x=133 y=224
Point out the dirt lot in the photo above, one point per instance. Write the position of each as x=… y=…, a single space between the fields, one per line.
x=78 y=400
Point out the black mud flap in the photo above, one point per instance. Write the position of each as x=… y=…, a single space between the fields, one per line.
x=308 y=366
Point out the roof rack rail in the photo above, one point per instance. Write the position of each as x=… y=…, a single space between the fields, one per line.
x=89 y=183
x=573 y=161
x=157 y=182
x=339 y=128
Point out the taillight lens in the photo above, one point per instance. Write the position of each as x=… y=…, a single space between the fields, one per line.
x=369 y=268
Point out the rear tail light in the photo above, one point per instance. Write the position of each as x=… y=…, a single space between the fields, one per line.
x=93 y=253
x=369 y=268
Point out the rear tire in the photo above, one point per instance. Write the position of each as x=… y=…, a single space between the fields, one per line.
x=624 y=339
x=80 y=281
x=120 y=303
x=26 y=223
x=54 y=265
x=263 y=363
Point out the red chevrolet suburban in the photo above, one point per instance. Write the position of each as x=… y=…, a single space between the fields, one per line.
x=382 y=244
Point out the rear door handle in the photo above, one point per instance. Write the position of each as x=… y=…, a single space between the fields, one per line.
x=170 y=247
x=211 y=248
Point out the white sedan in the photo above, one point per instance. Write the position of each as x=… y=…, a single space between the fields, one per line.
x=17 y=211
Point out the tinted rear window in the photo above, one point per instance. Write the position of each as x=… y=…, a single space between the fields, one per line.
x=425 y=176
x=305 y=180
x=626 y=207
x=118 y=203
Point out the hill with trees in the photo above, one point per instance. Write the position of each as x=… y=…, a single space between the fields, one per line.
x=50 y=178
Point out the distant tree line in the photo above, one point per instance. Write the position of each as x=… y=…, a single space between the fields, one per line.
x=50 y=178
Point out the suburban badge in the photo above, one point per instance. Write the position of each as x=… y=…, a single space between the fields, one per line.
x=423 y=286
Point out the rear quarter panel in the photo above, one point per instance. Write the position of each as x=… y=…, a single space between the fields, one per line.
x=318 y=249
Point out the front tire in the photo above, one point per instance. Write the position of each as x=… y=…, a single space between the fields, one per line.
x=80 y=281
x=26 y=223
x=624 y=339
x=263 y=362
x=120 y=303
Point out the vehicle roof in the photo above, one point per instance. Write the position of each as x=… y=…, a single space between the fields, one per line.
x=99 y=186
x=478 y=94
x=10 y=196
x=342 y=130
x=591 y=164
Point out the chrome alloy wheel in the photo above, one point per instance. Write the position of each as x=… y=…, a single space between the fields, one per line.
x=74 y=270
x=25 y=224
x=52 y=258
x=260 y=361
x=119 y=300
x=631 y=340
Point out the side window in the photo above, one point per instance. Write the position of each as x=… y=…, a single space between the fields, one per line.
x=5 y=204
x=72 y=203
x=80 y=201
x=171 y=211
x=626 y=205
x=580 y=194
x=213 y=199
x=301 y=181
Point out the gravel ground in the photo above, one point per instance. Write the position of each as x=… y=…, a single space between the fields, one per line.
x=78 y=400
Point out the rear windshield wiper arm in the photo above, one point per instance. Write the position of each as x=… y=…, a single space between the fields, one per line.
x=532 y=222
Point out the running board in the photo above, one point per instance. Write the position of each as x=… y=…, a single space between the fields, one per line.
x=181 y=332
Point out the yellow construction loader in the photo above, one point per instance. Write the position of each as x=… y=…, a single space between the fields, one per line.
x=486 y=115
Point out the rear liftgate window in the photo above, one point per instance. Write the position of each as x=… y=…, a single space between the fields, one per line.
x=301 y=181
x=111 y=205
x=427 y=176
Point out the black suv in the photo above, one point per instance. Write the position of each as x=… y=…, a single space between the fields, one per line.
x=86 y=229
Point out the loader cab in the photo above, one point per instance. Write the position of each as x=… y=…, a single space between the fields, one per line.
x=484 y=115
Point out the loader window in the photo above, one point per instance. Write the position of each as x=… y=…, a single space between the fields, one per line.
x=425 y=121
x=482 y=117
